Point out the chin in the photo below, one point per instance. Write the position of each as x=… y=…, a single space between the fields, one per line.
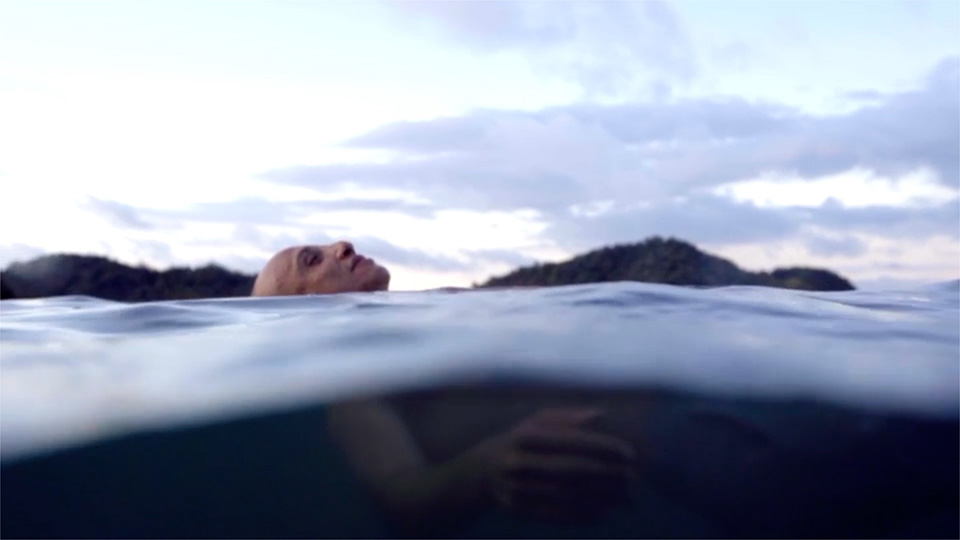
x=379 y=280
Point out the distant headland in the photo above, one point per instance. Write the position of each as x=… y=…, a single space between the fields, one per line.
x=655 y=260
x=670 y=261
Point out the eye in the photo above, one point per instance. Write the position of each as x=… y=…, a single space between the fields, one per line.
x=310 y=257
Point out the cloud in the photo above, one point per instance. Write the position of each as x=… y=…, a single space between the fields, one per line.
x=864 y=95
x=599 y=174
x=482 y=182
x=826 y=246
x=267 y=240
x=906 y=131
x=734 y=55
x=892 y=222
x=588 y=43
x=155 y=251
x=550 y=159
x=434 y=137
x=18 y=252
x=499 y=256
x=655 y=168
x=259 y=211
x=248 y=235
x=117 y=214
x=386 y=252
x=700 y=219
x=239 y=263
x=710 y=219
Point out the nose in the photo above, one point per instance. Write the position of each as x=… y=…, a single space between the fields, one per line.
x=344 y=249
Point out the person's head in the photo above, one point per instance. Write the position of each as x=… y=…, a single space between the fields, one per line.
x=336 y=268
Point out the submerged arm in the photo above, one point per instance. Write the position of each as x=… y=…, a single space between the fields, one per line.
x=418 y=498
x=548 y=467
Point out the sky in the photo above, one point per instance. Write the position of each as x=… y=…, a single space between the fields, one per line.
x=457 y=140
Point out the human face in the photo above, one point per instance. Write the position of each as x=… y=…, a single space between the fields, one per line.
x=335 y=268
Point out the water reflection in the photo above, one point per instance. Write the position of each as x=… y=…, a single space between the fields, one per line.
x=470 y=461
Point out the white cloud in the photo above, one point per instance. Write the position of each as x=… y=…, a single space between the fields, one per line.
x=591 y=209
x=855 y=188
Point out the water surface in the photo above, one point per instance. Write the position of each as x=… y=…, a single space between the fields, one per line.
x=803 y=368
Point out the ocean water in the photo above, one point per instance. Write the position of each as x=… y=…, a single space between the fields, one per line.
x=109 y=412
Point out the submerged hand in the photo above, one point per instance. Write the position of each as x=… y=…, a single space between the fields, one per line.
x=551 y=467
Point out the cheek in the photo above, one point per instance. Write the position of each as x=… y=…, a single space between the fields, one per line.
x=327 y=279
x=290 y=283
x=298 y=286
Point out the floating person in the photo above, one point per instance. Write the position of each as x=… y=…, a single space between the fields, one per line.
x=550 y=464
x=648 y=462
